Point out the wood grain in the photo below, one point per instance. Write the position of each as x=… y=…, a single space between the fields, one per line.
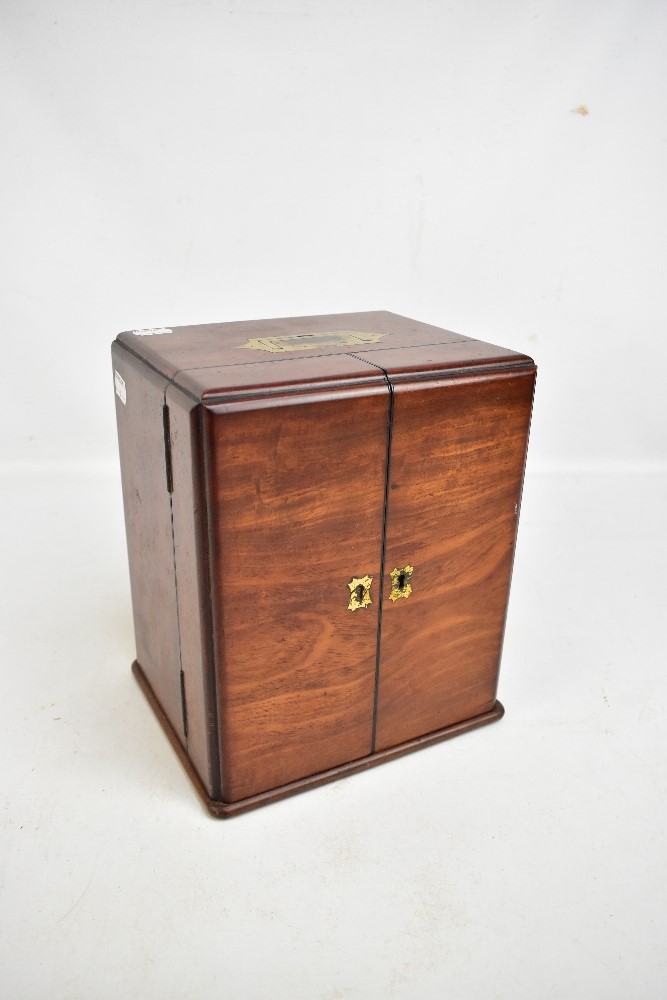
x=225 y=810
x=191 y=569
x=296 y=509
x=277 y=466
x=215 y=344
x=457 y=458
x=412 y=362
x=148 y=528
x=282 y=376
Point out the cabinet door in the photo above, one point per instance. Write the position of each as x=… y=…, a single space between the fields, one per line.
x=297 y=502
x=456 y=469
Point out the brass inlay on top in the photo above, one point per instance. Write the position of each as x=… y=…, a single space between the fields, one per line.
x=400 y=582
x=309 y=341
x=360 y=592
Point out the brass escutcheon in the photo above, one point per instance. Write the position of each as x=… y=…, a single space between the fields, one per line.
x=360 y=592
x=400 y=582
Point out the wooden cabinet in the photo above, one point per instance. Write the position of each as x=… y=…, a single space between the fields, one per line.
x=321 y=515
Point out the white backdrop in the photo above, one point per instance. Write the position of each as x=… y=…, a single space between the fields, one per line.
x=497 y=168
x=169 y=163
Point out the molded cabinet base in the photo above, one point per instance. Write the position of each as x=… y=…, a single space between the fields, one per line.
x=226 y=809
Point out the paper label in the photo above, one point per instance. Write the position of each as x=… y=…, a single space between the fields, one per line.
x=151 y=331
x=119 y=383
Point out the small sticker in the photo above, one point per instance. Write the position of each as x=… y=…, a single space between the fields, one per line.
x=121 y=391
x=150 y=331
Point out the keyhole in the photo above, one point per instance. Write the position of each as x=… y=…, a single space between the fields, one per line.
x=400 y=582
x=359 y=591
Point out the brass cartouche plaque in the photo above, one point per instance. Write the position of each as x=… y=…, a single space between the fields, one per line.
x=309 y=341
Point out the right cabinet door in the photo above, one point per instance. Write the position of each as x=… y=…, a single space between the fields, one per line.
x=458 y=450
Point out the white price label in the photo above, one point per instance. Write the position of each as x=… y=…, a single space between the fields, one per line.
x=119 y=383
x=151 y=331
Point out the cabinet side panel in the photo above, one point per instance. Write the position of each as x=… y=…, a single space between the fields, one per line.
x=192 y=585
x=148 y=527
x=457 y=460
x=298 y=500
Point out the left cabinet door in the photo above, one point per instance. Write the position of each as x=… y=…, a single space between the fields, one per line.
x=296 y=497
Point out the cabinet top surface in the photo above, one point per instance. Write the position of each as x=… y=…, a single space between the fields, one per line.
x=214 y=359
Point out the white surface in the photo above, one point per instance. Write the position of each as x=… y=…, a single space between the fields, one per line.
x=524 y=860
x=178 y=162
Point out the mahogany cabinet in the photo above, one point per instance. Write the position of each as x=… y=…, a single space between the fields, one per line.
x=321 y=516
